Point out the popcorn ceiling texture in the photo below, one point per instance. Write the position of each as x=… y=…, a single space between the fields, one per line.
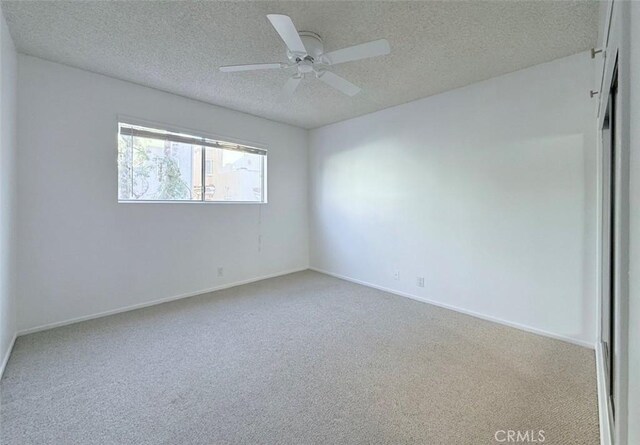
x=178 y=47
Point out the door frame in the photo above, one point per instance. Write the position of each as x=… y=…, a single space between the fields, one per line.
x=616 y=57
x=609 y=263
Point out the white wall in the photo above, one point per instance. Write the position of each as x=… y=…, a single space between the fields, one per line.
x=633 y=398
x=8 y=147
x=488 y=192
x=81 y=253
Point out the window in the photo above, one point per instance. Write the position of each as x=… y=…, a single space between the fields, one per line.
x=160 y=165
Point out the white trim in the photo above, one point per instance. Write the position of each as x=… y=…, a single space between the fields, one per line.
x=7 y=354
x=133 y=307
x=616 y=47
x=604 y=407
x=522 y=327
x=606 y=12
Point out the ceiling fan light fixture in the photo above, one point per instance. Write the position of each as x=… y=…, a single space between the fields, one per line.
x=305 y=51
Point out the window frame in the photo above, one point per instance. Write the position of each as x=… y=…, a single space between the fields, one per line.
x=128 y=120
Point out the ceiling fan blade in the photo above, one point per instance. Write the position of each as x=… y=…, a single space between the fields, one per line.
x=357 y=52
x=339 y=83
x=288 y=32
x=251 y=67
x=291 y=85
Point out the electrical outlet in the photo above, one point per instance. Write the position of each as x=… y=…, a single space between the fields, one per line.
x=220 y=271
x=420 y=281
x=396 y=275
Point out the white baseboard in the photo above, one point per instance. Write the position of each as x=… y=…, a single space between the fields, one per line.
x=604 y=407
x=7 y=354
x=57 y=324
x=462 y=311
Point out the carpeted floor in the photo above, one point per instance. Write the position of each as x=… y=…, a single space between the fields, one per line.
x=300 y=359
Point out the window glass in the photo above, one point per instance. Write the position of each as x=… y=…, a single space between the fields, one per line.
x=236 y=175
x=158 y=165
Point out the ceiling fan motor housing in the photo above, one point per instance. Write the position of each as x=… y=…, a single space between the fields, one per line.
x=306 y=55
x=312 y=43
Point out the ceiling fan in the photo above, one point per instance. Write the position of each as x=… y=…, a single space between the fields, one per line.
x=306 y=55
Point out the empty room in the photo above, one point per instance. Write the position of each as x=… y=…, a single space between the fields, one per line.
x=320 y=222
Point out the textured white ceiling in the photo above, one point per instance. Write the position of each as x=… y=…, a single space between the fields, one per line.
x=178 y=46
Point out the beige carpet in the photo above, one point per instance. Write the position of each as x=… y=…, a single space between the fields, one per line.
x=300 y=359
